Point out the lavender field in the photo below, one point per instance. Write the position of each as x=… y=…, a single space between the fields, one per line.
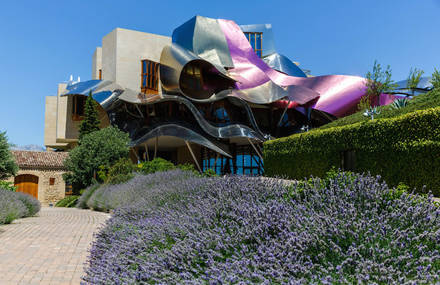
x=176 y=228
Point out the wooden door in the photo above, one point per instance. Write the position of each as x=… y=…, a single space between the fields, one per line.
x=27 y=183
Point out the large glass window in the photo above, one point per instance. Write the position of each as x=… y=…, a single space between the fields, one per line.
x=150 y=77
x=244 y=161
x=256 y=40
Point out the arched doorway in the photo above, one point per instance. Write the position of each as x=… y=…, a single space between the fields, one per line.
x=27 y=183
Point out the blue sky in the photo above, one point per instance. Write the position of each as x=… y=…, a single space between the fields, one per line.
x=43 y=42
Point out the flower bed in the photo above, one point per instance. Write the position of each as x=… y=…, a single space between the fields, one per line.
x=14 y=205
x=226 y=230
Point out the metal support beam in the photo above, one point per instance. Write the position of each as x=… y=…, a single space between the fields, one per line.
x=146 y=152
x=215 y=162
x=284 y=112
x=137 y=107
x=193 y=156
x=256 y=150
x=155 y=147
x=135 y=154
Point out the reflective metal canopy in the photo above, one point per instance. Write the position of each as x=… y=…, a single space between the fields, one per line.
x=284 y=64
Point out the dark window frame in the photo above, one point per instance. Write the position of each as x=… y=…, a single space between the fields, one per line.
x=149 y=76
x=254 y=45
x=78 y=107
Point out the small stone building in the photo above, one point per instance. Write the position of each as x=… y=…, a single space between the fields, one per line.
x=40 y=175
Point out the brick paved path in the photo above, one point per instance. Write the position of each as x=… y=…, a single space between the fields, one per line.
x=48 y=249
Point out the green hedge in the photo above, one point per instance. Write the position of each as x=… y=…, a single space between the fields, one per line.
x=401 y=149
x=419 y=102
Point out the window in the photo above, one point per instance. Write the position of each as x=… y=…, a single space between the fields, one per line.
x=256 y=39
x=100 y=74
x=78 y=107
x=51 y=181
x=68 y=190
x=192 y=78
x=244 y=161
x=149 y=77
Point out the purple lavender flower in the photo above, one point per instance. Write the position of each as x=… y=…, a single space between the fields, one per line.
x=175 y=228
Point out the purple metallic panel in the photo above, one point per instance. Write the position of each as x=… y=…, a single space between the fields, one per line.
x=338 y=94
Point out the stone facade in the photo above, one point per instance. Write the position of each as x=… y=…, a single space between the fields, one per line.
x=47 y=194
x=48 y=167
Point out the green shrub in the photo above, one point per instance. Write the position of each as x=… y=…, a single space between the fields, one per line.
x=67 y=202
x=402 y=149
x=120 y=172
x=187 y=167
x=7 y=186
x=209 y=173
x=103 y=147
x=155 y=165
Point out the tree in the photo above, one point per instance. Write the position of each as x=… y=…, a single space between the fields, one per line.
x=378 y=82
x=414 y=79
x=8 y=167
x=91 y=118
x=435 y=80
x=100 y=148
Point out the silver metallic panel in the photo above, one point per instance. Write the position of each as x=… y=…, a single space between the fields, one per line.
x=425 y=83
x=270 y=92
x=174 y=59
x=284 y=64
x=230 y=131
x=184 y=133
x=204 y=37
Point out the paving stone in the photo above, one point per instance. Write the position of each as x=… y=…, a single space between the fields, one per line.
x=50 y=248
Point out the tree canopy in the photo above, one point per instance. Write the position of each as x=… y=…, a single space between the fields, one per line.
x=379 y=81
x=100 y=148
x=8 y=167
x=414 y=79
x=91 y=118
x=436 y=79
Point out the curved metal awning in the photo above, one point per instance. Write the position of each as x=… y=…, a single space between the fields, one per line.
x=104 y=92
x=181 y=132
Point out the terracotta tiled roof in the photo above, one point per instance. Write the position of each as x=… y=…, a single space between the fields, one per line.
x=40 y=159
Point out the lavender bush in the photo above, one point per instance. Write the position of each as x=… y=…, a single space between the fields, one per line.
x=14 y=205
x=84 y=198
x=112 y=196
x=243 y=230
x=32 y=205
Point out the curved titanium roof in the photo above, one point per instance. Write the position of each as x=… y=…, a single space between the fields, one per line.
x=203 y=37
x=284 y=64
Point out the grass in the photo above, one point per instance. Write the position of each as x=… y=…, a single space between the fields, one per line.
x=420 y=102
